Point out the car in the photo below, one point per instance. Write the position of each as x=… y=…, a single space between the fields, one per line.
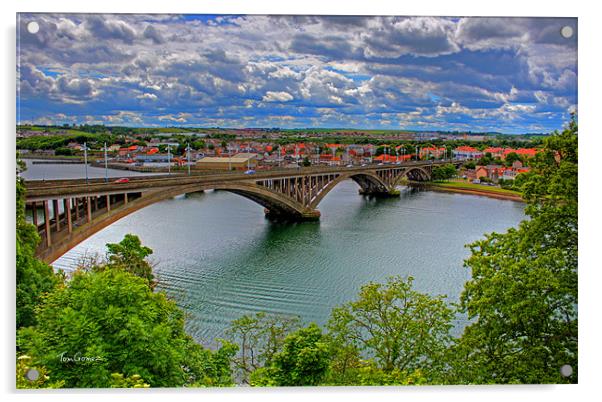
x=250 y=171
x=363 y=164
x=380 y=164
x=122 y=180
x=350 y=165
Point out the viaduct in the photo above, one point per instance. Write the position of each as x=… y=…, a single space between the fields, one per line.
x=66 y=212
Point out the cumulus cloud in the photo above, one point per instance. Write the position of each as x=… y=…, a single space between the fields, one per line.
x=232 y=70
x=147 y=96
x=421 y=36
x=271 y=96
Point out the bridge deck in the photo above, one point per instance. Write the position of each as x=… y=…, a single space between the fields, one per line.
x=38 y=190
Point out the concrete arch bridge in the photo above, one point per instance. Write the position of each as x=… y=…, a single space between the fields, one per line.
x=66 y=212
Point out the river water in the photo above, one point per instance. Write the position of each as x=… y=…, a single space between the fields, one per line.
x=219 y=258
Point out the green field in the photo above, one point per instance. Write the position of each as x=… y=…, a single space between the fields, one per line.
x=476 y=187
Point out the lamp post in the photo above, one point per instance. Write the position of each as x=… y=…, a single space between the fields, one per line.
x=168 y=159
x=188 y=157
x=86 y=160
x=106 y=165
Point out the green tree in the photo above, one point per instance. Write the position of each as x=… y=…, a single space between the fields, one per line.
x=34 y=278
x=522 y=298
x=106 y=322
x=511 y=158
x=444 y=172
x=130 y=255
x=470 y=165
x=303 y=360
x=398 y=327
x=259 y=338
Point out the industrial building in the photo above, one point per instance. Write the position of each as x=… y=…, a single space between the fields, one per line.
x=242 y=161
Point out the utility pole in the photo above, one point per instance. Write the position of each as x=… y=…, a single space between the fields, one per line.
x=169 y=159
x=188 y=157
x=106 y=165
x=86 y=160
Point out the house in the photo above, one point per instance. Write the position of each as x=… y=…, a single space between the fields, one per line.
x=466 y=152
x=75 y=146
x=428 y=152
x=524 y=152
x=509 y=174
x=496 y=152
x=481 y=171
x=385 y=158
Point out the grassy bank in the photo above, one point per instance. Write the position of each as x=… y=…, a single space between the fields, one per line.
x=476 y=189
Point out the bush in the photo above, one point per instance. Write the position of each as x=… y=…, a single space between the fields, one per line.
x=100 y=323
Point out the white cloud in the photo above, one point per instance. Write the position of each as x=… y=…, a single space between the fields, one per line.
x=282 y=96
x=147 y=96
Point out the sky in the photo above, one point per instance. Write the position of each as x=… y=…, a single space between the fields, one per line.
x=509 y=75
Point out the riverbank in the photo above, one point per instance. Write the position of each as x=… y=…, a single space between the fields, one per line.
x=476 y=189
x=52 y=158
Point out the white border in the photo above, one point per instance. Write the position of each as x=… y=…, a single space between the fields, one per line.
x=589 y=276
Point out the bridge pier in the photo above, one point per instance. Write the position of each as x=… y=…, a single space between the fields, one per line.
x=280 y=216
x=381 y=194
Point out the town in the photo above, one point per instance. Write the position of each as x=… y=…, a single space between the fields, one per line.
x=489 y=159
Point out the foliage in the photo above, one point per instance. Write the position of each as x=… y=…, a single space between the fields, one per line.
x=470 y=165
x=43 y=380
x=34 y=278
x=133 y=381
x=444 y=172
x=61 y=140
x=522 y=298
x=302 y=360
x=367 y=372
x=259 y=337
x=130 y=255
x=106 y=322
x=398 y=327
x=64 y=151
x=511 y=158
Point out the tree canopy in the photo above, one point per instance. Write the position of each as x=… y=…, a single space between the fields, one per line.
x=522 y=298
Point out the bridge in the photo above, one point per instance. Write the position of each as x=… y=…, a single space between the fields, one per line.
x=66 y=212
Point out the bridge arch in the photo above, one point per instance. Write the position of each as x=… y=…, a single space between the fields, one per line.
x=368 y=182
x=415 y=173
x=278 y=205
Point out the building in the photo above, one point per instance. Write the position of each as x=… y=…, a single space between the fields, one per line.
x=466 y=152
x=496 y=152
x=432 y=152
x=241 y=161
x=522 y=152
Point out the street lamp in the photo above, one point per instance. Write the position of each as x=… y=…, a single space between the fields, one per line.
x=106 y=165
x=188 y=157
x=86 y=160
x=169 y=159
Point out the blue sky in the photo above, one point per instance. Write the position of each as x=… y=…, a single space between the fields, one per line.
x=511 y=75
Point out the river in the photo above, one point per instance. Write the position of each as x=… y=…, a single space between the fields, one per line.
x=219 y=258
